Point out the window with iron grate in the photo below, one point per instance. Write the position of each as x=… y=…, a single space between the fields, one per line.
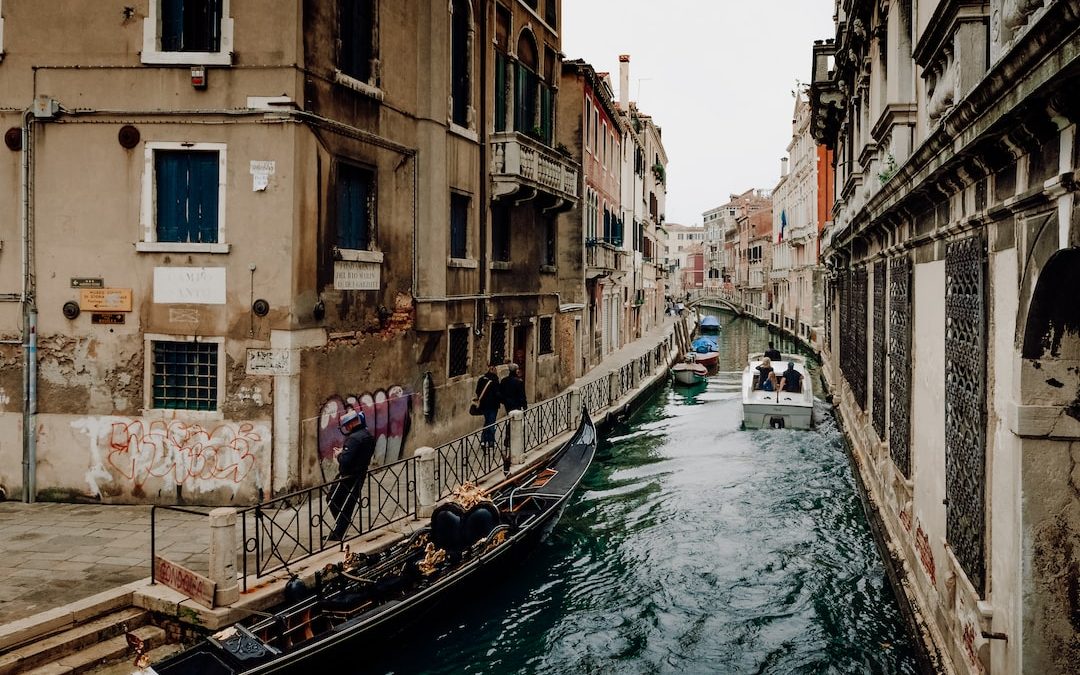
x=546 y=337
x=185 y=375
x=458 y=362
x=498 y=342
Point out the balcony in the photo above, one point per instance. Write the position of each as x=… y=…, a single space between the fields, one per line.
x=523 y=167
x=601 y=259
x=800 y=236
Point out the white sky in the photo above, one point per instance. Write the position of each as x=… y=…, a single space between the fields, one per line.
x=716 y=75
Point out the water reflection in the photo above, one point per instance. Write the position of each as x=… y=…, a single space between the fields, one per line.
x=692 y=547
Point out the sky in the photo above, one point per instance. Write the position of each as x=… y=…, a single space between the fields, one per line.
x=717 y=77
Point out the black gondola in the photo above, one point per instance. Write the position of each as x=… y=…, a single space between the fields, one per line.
x=365 y=599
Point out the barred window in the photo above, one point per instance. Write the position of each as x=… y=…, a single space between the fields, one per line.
x=546 y=342
x=498 y=342
x=185 y=375
x=459 y=351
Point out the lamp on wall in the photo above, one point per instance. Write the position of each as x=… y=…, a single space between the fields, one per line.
x=427 y=388
x=319 y=311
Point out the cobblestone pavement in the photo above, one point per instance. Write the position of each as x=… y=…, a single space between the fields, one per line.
x=53 y=554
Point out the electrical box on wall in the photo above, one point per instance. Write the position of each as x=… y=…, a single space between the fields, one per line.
x=45 y=108
x=198 y=77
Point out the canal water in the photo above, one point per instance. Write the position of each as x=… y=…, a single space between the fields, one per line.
x=691 y=547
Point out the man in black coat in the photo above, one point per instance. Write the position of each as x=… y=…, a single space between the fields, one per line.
x=772 y=352
x=488 y=399
x=353 y=463
x=512 y=390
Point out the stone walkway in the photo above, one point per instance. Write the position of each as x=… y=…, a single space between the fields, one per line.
x=54 y=554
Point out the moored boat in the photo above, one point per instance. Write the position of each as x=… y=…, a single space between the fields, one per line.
x=709 y=324
x=777 y=409
x=358 y=603
x=706 y=351
x=689 y=373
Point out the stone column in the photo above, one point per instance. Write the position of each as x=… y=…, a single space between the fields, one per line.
x=287 y=442
x=613 y=387
x=427 y=485
x=575 y=407
x=223 y=556
x=517 y=437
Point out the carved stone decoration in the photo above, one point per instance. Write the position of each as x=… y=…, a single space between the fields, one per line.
x=900 y=363
x=965 y=405
x=879 y=349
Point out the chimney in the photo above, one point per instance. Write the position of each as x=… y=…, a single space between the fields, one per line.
x=783 y=166
x=624 y=82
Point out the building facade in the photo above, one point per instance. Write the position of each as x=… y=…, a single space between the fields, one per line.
x=227 y=237
x=951 y=337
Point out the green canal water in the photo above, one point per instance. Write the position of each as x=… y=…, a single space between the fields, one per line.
x=691 y=547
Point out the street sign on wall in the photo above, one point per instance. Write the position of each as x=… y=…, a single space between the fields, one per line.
x=271 y=362
x=351 y=275
x=105 y=299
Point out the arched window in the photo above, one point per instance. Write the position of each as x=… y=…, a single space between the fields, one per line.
x=461 y=50
x=526 y=84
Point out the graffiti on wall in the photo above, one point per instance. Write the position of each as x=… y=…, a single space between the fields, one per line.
x=147 y=455
x=387 y=413
x=926 y=553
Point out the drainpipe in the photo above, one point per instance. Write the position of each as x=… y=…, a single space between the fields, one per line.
x=482 y=133
x=29 y=316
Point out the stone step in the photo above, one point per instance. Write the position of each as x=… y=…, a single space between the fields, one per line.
x=59 y=645
x=110 y=651
x=125 y=667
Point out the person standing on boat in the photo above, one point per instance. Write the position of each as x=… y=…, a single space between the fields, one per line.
x=791 y=380
x=353 y=461
x=766 y=376
x=772 y=353
x=488 y=399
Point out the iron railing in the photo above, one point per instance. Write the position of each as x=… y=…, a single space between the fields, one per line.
x=596 y=394
x=469 y=458
x=287 y=529
x=547 y=420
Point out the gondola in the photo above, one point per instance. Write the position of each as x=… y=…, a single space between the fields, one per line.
x=359 y=603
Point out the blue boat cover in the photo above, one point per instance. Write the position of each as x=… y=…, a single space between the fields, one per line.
x=703 y=344
x=710 y=322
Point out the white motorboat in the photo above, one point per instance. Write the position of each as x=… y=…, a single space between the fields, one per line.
x=777 y=409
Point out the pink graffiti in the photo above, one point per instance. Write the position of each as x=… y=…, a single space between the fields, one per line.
x=182 y=452
x=387 y=413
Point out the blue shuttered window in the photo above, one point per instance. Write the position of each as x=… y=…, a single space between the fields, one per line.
x=190 y=25
x=187 y=196
x=355 y=194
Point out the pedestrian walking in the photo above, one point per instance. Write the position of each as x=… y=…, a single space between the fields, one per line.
x=488 y=401
x=353 y=461
x=512 y=391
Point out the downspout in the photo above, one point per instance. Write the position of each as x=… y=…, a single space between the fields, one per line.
x=29 y=316
x=482 y=134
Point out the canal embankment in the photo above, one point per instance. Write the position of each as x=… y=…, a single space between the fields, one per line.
x=261 y=547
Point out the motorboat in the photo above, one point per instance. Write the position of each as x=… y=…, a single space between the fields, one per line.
x=361 y=602
x=777 y=409
x=709 y=324
x=689 y=372
x=706 y=351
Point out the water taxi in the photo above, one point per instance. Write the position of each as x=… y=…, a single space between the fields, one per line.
x=777 y=409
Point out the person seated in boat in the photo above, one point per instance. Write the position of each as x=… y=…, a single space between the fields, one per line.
x=772 y=353
x=766 y=376
x=791 y=380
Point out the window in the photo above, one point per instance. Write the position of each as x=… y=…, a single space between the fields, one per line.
x=355 y=207
x=551 y=14
x=1 y=30
x=461 y=38
x=357 y=39
x=184 y=373
x=526 y=85
x=500 y=233
x=188 y=32
x=546 y=339
x=498 y=342
x=183 y=197
x=459 y=225
x=458 y=357
x=549 y=242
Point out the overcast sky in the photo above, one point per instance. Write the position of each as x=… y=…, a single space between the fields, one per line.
x=716 y=75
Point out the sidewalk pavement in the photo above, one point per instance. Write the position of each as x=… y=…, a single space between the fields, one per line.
x=54 y=554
